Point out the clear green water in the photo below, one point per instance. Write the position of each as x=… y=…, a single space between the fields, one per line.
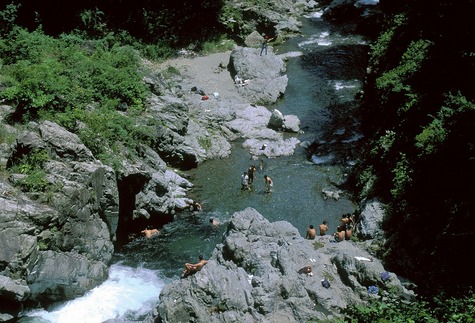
x=312 y=95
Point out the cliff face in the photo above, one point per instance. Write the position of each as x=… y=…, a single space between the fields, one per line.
x=266 y=272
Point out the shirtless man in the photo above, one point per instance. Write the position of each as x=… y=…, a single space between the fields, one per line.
x=348 y=232
x=269 y=183
x=193 y=268
x=311 y=232
x=149 y=232
x=339 y=235
x=213 y=222
x=195 y=206
x=250 y=173
x=346 y=219
x=323 y=228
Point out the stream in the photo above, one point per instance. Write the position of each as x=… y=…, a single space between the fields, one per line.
x=325 y=72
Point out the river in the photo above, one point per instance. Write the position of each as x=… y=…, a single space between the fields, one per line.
x=325 y=73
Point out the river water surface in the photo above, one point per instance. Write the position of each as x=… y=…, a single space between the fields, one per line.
x=325 y=74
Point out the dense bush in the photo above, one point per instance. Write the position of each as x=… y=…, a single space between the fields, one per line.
x=438 y=309
x=178 y=23
x=418 y=117
x=55 y=74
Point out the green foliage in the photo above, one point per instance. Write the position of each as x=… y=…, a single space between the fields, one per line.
x=93 y=21
x=380 y=47
x=230 y=16
x=46 y=74
x=431 y=137
x=402 y=176
x=219 y=44
x=31 y=165
x=418 y=117
x=366 y=182
x=109 y=134
x=7 y=18
x=205 y=142
x=439 y=309
x=385 y=143
x=436 y=133
x=6 y=137
x=395 y=79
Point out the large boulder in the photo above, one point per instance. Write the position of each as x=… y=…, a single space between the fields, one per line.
x=64 y=275
x=266 y=81
x=163 y=194
x=12 y=294
x=263 y=272
x=370 y=219
x=58 y=238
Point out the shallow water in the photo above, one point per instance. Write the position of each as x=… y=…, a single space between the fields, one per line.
x=323 y=81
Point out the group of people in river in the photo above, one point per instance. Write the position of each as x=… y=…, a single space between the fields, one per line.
x=343 y=232
x=247 y=180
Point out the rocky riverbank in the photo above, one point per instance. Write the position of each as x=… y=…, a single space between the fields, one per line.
x=266 y=272
x=57 y=244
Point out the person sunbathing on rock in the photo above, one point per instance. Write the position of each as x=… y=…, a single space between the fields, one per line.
x=193 y=268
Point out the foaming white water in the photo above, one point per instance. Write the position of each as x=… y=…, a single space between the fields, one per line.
x=366 y=2
x=131 y=291
x=339 y=85
x=322 y=40
x=316 y=14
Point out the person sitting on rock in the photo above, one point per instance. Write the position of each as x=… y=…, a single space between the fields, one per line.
x=193 y=268
x=346 y=219
x=323 y=228
x=149 y=231
x=339 y=235
x=348 y=231
x=311 y=232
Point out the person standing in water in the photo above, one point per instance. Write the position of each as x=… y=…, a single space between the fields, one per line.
x=244 y=181
x=269 y=183
x=250 y=173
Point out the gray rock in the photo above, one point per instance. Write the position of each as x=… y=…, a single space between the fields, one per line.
x=271 y=149
x=63 y=143
x=162 y=195
x=371 y=217
x=256 y=275
x=61 y=275
x=13 y=289
x=267 y=81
